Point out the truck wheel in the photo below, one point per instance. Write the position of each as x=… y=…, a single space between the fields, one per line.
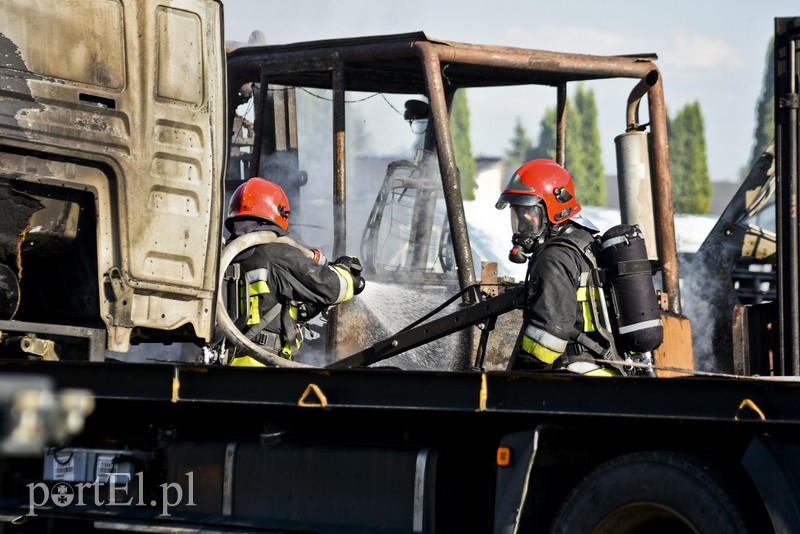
x=658 y=492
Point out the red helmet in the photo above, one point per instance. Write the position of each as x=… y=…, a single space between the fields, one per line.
x=542 y=179
x=260 y=198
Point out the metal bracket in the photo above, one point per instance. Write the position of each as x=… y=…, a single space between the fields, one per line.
x=120 y=297
x=790 y=101
x=95 y=336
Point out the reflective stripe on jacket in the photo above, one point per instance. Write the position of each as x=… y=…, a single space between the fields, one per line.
x=557 y=297
x=283 y=273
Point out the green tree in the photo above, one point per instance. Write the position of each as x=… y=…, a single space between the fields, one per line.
x=521 y=145
x=546 y=147
x=459 y=128
x=691 y=183
x=765 y=111
x=584 y=156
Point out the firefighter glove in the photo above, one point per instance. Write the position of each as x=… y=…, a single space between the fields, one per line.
x=351 y=263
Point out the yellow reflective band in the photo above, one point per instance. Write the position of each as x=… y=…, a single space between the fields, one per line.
x=348 y=278
x=582 y=294
x=538 y=350
x=588 y=323
x=246 y=361
x=255 y=315
x=293 y=312
x=286 y=351
x=602 y=371
x=259 y=287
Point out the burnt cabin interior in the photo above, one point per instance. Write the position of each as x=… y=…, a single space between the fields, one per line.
x=48 y=247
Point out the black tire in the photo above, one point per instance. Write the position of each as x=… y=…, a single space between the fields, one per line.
x=659 y=492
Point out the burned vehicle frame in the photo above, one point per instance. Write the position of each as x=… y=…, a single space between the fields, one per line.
x=413 y=63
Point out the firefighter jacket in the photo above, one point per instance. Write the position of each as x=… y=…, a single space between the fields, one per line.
x=555 y=311
x=286 y=287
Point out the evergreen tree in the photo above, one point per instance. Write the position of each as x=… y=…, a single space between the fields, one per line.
x=584 y=156
x=590 y=182
x=575 y=156
x=691 y=183
x=459 y=127
x=765 y=111
x=546 y=147
x=521 y=145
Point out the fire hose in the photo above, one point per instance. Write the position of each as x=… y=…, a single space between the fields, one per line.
x=224 y=321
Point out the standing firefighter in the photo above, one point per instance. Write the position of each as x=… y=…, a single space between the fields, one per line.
x=556 y=241
x=284 y=283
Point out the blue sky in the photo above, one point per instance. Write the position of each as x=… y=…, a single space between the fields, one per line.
x=712 y=52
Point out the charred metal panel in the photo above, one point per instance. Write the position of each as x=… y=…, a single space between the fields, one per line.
x=725 y=245
x=137 y=90
x=178 y=65
x=80 y=41
x=755 y=346
x=16 y=210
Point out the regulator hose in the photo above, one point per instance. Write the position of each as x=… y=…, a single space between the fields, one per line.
x=224 y=321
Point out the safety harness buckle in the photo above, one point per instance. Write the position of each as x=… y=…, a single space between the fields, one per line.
x=269 y=340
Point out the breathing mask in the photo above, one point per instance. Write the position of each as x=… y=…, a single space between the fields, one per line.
x=528 y=224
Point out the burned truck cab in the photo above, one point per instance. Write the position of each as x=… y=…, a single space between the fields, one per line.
x=110 y=174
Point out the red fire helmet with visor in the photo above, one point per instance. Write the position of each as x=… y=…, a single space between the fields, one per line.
x=541 y=196
x=262 y=199
x=542 y=180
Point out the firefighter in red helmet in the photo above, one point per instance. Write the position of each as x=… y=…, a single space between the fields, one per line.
x=287 y=282
x=550 y=233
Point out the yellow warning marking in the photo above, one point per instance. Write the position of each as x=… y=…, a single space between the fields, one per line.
x=322 y=400
x=747 y=403
x=484 y=394
x=176 y=386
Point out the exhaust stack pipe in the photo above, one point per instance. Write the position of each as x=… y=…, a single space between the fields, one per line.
x=633 y=168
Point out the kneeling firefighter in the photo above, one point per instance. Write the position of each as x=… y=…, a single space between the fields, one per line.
x=283 y=282
x=560 y=330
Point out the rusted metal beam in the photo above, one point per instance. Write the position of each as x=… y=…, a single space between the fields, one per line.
x=662 y=197
x=561 y=124
x=451 y=180
x=339 y=189
x=467 y=64
x=339 y=192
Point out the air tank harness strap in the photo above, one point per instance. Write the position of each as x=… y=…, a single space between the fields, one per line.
x=597 y=350
x=269 y=340
x=628 y=268
x=596 y=318
x=256 y=330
